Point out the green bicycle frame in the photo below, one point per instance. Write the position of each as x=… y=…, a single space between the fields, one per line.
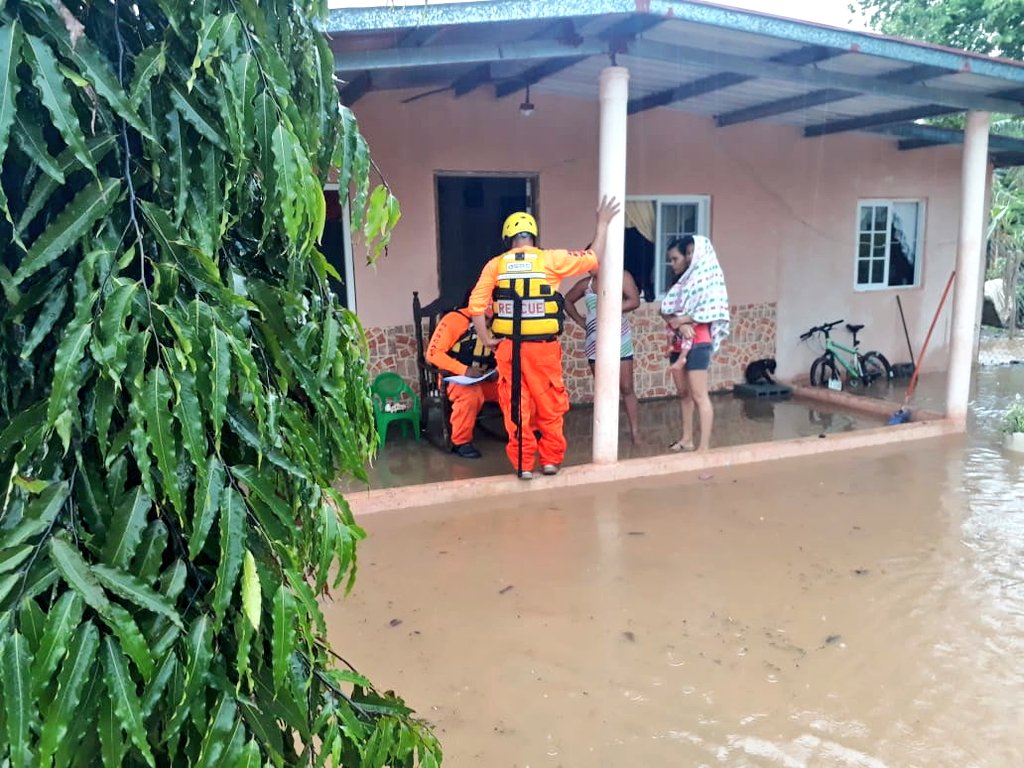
x=836 y=349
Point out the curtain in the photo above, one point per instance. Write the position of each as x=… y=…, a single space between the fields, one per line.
x=640 y=215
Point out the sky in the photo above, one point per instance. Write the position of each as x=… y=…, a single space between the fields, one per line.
x=834 y=12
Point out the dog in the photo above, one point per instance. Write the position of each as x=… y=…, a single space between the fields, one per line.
x=760 y=371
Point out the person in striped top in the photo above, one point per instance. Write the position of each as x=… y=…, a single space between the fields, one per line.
x=586 y=289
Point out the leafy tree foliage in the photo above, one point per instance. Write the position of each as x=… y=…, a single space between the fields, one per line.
x=178 y=390
x=985 y=26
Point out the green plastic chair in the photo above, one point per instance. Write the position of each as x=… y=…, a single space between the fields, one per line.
x=390 y=387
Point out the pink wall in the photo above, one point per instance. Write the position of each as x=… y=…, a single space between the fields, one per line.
x=783 y=208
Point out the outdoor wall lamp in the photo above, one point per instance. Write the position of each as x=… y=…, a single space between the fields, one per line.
x=526 y=108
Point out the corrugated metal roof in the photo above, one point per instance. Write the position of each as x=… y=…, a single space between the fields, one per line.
x=691 y=56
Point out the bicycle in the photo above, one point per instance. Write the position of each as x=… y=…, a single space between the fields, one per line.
x=860 y=368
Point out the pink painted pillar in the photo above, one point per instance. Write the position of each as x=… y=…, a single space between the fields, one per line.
x=969 y=255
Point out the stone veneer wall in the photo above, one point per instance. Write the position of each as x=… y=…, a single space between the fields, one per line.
x=752 y=338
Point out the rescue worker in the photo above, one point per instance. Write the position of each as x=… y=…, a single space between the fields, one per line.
x=521 y=287
x=456 y=350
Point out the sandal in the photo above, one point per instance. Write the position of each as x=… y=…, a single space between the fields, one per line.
x=680 y=447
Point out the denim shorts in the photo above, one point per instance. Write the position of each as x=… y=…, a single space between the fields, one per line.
x=699 y=358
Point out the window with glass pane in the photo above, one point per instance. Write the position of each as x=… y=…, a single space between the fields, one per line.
x=888 y=232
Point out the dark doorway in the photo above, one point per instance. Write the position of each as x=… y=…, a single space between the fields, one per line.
x=333 y=246
x=471 y=210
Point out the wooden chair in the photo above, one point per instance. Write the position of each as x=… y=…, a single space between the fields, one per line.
x=432 y=395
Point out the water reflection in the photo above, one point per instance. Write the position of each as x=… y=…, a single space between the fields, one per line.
x=864 y=609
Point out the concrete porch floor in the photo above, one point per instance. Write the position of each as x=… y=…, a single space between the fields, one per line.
x=404 y=462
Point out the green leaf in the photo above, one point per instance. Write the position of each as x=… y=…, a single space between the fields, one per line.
x=63 y=619
x=189 y=416
x=125 y=530
x=232 y=542
x=179 y=157
x=50 y=84
x=258 y=484
x=197 y=116
x=29 y=136
x=287 y=177
x=134 y=591
x=148 y=64
x=109 y=345
x=156 y=405
x=149 y=558
x=80 y=577
x=283 y=639
x=10 y=56
x=218 y=733
x=48 y=315
x=13 y=557
x=103 y=410
x=19 y=707
x=200 y=653
x=67 y=376
x=155 y=690
x=67 y=163
x=32 y=622
x=207 y=502
x=74 y=673
x=251 y=591
x=96 y=71
x=108 y=729
x=87 y=207
x=124 y=696
x=220 y=376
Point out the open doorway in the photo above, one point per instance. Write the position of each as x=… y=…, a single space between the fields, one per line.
x=470 y=211
x=336 y=246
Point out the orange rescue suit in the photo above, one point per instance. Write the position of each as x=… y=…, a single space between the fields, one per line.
x=542 y=387
x=466 y=400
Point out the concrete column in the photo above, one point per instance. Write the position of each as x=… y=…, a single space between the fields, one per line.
x=969 y=256
x=614 y=94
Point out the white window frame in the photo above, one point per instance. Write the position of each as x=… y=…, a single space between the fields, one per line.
x=350 y=283
x=703 y=203
x=889 y=203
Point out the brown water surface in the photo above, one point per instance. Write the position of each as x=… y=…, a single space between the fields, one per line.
x=864 y=609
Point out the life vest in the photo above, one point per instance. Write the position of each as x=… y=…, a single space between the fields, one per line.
x=469 y=350
x=522 y=281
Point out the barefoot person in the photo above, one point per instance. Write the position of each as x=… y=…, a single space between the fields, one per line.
x=586 y=289
x=522 y=287
x=696 y=309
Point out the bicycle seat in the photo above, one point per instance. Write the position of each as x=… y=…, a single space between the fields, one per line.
x=854 y=328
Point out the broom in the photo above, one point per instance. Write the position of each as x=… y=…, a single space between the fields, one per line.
x=902 y=416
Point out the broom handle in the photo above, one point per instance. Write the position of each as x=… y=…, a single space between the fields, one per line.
x=928 y=338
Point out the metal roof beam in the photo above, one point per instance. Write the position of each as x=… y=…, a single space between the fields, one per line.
x=474 y=53
x=690 y=90
x=781 y=106
x=673 y=54
x=877 y=119
x=533 y=75
x=912 y=74
x=617 y=35
x=915 y=132
x=562 y=29
x=685 y=91
x=895 y=116
x=353 y=90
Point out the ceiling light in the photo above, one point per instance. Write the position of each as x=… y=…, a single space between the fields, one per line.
x=526 y=108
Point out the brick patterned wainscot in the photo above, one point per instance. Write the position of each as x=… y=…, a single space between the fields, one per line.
x=752 y=338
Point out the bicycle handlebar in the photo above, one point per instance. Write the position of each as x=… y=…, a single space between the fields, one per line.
x=824 y=328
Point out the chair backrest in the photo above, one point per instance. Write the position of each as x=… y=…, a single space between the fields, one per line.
x=390 y=385
x=424 y=320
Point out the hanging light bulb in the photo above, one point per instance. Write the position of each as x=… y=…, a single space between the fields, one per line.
x=526 y=108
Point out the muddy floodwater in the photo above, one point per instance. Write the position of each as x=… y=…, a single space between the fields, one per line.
x=864 y=609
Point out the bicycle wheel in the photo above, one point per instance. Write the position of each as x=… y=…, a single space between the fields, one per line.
x=874 y=367
x=823 y=370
